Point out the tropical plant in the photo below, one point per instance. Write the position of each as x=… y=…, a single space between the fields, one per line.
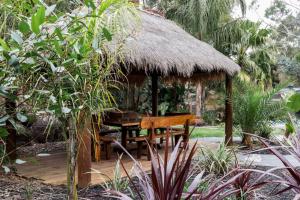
x=172 y=177
x=208 y=21
x=254 y=108
x=58 y=63
x=210 y=117
x=293 y=106
x=291 y=179
x=246 y=187
x=265 y=131
x=118 y=182
x=219 y=161
x=258 y=63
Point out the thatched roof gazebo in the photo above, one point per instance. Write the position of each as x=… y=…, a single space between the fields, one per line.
x=160 y=48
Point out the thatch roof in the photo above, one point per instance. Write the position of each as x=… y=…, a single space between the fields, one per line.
x=162 y=46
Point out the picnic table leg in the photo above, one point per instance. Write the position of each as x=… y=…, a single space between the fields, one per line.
x=186 y=133
x=124 y=137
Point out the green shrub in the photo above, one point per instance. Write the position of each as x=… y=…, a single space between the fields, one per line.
x=265 y=131
x=217 y=161
x=210 y=117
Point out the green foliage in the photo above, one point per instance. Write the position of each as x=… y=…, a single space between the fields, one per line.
x=254 y=108
x=277 y=10
x=65 y=62
x=118 y=183
x=38 y=19
x=290 y=67
x=210 y=117
x=171 y=97
x=218 y=161
x=294 y=102
x=58 y=65
x=265 y=131
x=201 y=18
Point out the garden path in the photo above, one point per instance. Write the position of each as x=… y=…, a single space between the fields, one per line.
x=51 y=169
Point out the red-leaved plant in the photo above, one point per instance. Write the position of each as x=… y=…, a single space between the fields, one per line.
x=292 y=179
x=170 y=175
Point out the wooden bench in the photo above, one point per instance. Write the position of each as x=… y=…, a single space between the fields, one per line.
x=154 y=123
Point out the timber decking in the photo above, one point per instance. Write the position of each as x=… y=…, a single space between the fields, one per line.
x=52 y=169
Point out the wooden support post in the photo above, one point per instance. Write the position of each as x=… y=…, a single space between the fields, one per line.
x=154 y=95
x=228 y=111
x=84 y=160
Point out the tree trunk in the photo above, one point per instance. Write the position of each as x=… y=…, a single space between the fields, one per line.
x=247 y=140
x=84 y=160
x=228 y=112
x=198 y=99
x=72 y=154
x=11 y=143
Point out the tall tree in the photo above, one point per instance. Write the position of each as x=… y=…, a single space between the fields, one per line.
x=206 y=20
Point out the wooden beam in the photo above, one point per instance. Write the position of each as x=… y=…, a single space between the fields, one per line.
x=228 y=111
x=84 y=159
x=154 y=90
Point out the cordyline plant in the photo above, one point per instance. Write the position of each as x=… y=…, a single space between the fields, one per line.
x=61 y=62
x=170 y=178
x=292 y=179
x=246 y=186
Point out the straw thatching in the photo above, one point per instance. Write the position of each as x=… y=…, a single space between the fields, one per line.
x=163 y=47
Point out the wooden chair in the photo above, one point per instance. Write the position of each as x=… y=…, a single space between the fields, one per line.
x=102 y=138
x=107 y=148
x=153 y=123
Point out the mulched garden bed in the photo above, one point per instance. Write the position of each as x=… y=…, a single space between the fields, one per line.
x=258 y=148
x=13 y=187
x=36 y=148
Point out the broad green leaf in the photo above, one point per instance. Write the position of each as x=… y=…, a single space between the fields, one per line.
x=294 y=102
x=24 y=27
x=37 y=19
x=21 y=117
x=3 y=132
x=107 y=34
x=4 y=45
x=16 y=37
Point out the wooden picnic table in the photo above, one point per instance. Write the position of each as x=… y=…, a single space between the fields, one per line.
x=124 y=125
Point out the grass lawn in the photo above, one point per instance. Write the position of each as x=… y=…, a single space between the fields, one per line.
x=214 y=131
